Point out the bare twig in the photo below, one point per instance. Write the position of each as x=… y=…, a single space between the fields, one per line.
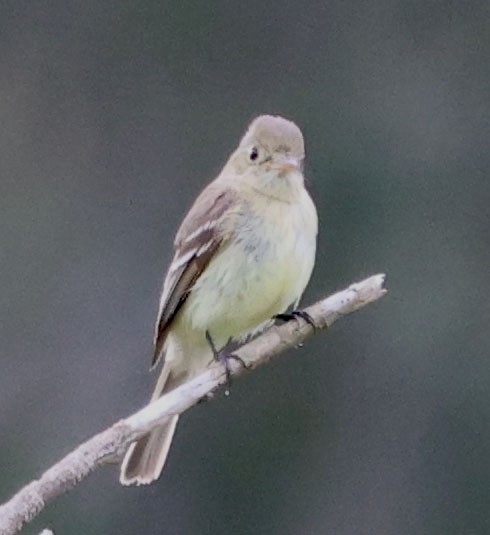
x=110 y=444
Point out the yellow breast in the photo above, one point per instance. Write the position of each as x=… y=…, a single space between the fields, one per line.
x=262 y=270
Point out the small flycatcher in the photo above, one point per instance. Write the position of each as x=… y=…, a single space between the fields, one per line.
x=243 y=254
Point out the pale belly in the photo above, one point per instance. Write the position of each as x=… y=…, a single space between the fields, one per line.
x=252 y=280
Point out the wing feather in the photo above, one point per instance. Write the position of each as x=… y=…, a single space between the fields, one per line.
x=200 y=236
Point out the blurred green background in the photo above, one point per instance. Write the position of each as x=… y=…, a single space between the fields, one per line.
x=113 y=116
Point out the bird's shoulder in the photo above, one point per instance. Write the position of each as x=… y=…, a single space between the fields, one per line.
x=205 y=215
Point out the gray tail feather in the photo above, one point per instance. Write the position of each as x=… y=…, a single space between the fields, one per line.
x=144 y=460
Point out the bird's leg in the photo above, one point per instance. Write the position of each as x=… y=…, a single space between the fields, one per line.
x=295 y=314
x=224 y=357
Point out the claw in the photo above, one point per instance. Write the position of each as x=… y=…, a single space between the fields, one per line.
x=224 y=358
x=295 y=314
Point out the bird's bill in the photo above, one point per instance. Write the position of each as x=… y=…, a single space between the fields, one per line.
x=287 y=164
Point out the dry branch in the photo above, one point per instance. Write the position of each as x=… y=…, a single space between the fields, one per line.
x=111 y=443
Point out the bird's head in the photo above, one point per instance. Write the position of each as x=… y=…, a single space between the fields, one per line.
x=269 y=157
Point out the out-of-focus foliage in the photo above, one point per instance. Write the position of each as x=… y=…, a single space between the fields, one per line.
x=113 y=116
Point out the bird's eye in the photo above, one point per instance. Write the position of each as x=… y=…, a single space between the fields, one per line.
x=254 y=154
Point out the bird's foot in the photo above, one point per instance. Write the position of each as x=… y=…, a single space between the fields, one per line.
x=224 y=357
x=295 y=314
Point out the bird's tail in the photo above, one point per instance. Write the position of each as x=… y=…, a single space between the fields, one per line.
x=144 y=460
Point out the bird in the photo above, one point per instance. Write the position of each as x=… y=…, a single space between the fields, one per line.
x=243 y=254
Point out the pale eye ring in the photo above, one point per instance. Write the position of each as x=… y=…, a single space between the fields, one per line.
x=254 y=154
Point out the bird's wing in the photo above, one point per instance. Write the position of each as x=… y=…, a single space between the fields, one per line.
x=202 y=233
